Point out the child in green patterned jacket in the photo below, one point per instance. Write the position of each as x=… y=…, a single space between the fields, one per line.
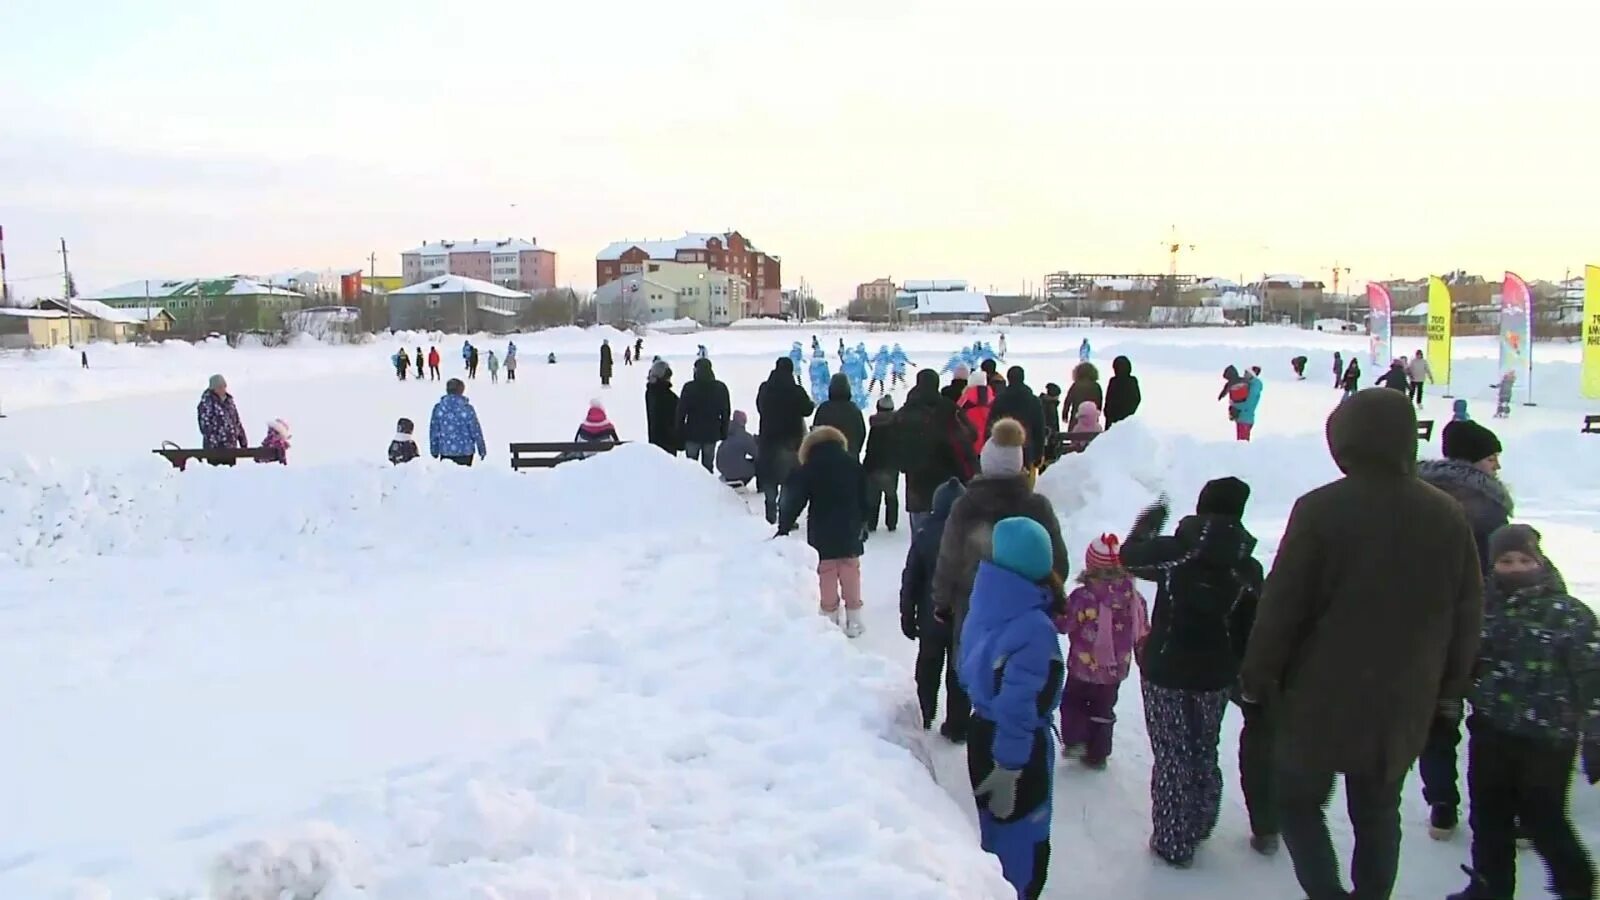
x=1535 y=699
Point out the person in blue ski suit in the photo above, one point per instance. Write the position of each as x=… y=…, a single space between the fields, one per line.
x=1010 y=663
x=453 y=431
x=1084 y=351
x=819 y=376
x=798 y=357
x=880 y=370
x=856 y=368
x=956 y=361
x=897 y=365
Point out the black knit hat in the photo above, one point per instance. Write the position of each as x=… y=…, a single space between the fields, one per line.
x=1468 y=442
x=1523 y=538
x=1223 y=497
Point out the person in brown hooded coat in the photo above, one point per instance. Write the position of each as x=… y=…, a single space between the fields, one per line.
x=1367 y=624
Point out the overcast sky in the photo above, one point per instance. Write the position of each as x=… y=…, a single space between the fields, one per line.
x=990 y=141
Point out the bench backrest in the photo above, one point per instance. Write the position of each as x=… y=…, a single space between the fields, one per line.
x=179 y=456
x=1077 y=441
x=548 y=454
x=1424 y=430
x=1591 y=424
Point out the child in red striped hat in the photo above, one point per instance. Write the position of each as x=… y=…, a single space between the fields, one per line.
x=1106 y=620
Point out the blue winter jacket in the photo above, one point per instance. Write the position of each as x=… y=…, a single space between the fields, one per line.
x=1010 y=660
x=454 y=428
x=1245 y=410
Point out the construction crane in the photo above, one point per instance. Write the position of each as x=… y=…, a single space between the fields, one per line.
x=1173 y=246
x=1337 y=269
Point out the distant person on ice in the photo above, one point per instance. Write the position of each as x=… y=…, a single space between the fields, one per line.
x=736 y=457
x=220 y=428
x=1105 y=620
x=1338 y=369
x=420 y=366
x=1298 y=364
x=1010 y=664
x=403 y=448
x=1188 y=663
x=433 y=363
x=1421 y=374
x=494 y=368
x=1243 y=410
x=1050 y=405
x=1504 y=391
x=830 y=486
x=402 y=362
x=605 y=363
x=83 y=357
x=454 y=432
x=511 y=363
x=704 y=411
x=277 y=441
x=1352 y=378
x=1376 y=566
x=1396 y=378
x=936 y=659
x=1084 y=351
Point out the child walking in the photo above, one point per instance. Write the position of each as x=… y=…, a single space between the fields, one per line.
x=1535 y=699
x=1106 y=619
x=1010 y=662
x=831 y=483
x=1504 y=391
x=936 y=645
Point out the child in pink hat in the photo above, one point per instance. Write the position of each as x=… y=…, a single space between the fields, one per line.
x=1106 y=620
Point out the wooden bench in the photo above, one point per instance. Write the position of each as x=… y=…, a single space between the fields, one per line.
x=180 y=457
x=548 y=454
x=1424 y=430
x=1076 y=441
x=1591 y=424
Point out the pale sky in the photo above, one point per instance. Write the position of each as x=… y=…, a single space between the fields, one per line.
x=989 y=141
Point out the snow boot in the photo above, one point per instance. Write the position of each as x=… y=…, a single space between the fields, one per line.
x=952 y=733
x=1265 y=844
x=1097 y=765
x=852 y=623
x=832 y=615
x=1175 y=863
x=1442 y=821
x=1475 y=889
x=1071 y=751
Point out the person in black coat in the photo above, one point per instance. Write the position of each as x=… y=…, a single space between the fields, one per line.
x=935 y=639
x=783 y=407
x=1018 y=401
x=703 y=414
x=661 y=407
x=934 y=446
x=1085 y=386
x=605 y=363
x=1190 y=661
x=1397 y=378
x=1122 y=392
x=958 y=383
x=882 y=464
x=839 y=411
x=831 y=484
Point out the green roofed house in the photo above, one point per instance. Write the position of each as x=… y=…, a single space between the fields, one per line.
x=199 y=306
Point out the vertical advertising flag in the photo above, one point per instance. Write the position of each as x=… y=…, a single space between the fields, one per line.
x=1591 y=332
x=1516 y=326
x=1441 y=328
x=1380 y=324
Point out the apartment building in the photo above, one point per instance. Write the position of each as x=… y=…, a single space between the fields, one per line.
x=510 y=262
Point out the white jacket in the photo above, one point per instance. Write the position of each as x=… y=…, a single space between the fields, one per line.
x=1419 y=370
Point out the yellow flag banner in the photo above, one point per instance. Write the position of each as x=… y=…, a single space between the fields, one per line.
x=1591 y=332
x=1441 y=328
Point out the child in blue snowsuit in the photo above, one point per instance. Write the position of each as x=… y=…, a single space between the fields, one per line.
x=897 y=365
x=819 y=376
x=856 y=368
x=880 y=369
x=1084 y=351
x=1010 y=662
x=798 y=357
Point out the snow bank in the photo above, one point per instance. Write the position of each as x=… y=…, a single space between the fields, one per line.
x=675 y=326
x=370 y=683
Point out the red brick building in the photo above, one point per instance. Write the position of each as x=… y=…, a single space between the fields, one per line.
x=730 y=252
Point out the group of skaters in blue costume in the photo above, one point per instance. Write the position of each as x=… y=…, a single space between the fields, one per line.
x=973 y=357
x=867 y=372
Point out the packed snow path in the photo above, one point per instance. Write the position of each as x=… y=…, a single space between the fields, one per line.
x=603 y=681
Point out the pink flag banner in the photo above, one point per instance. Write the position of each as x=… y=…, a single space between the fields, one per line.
x=1380 y=324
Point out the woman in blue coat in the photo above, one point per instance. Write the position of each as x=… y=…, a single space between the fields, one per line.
x=1244 y=411
x=1011 y=665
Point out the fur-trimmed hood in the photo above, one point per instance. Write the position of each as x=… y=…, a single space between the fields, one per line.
x=1479 y=493
x=822 y=434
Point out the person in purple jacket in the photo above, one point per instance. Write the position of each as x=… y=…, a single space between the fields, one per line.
x=220 y=428
x=1106 y=619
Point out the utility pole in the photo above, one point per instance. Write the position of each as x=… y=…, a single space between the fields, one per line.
x=372 y=260
x=5 y=288
x=66 y=290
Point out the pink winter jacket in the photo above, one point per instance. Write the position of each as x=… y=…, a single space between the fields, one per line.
x=1104 y=621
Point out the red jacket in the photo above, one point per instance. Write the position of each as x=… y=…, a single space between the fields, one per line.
x=975 y=405
x=433 y=356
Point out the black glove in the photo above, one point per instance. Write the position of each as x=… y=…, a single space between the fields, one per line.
x=1151 y=520
x=908 y=627
x=1591 y=761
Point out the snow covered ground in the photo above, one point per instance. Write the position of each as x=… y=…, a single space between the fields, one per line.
x=599 y=681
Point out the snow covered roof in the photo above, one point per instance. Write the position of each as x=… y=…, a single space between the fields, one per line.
x=1125 y=284
x=951 y=303
x=143 y=314
x=935 y=284
x=665 y=249
x=161 y=289
x=32 y=313
x=1290 y=280
x=93 y=309
x=445 y=248
x=1218 y=284
x=457 y=284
